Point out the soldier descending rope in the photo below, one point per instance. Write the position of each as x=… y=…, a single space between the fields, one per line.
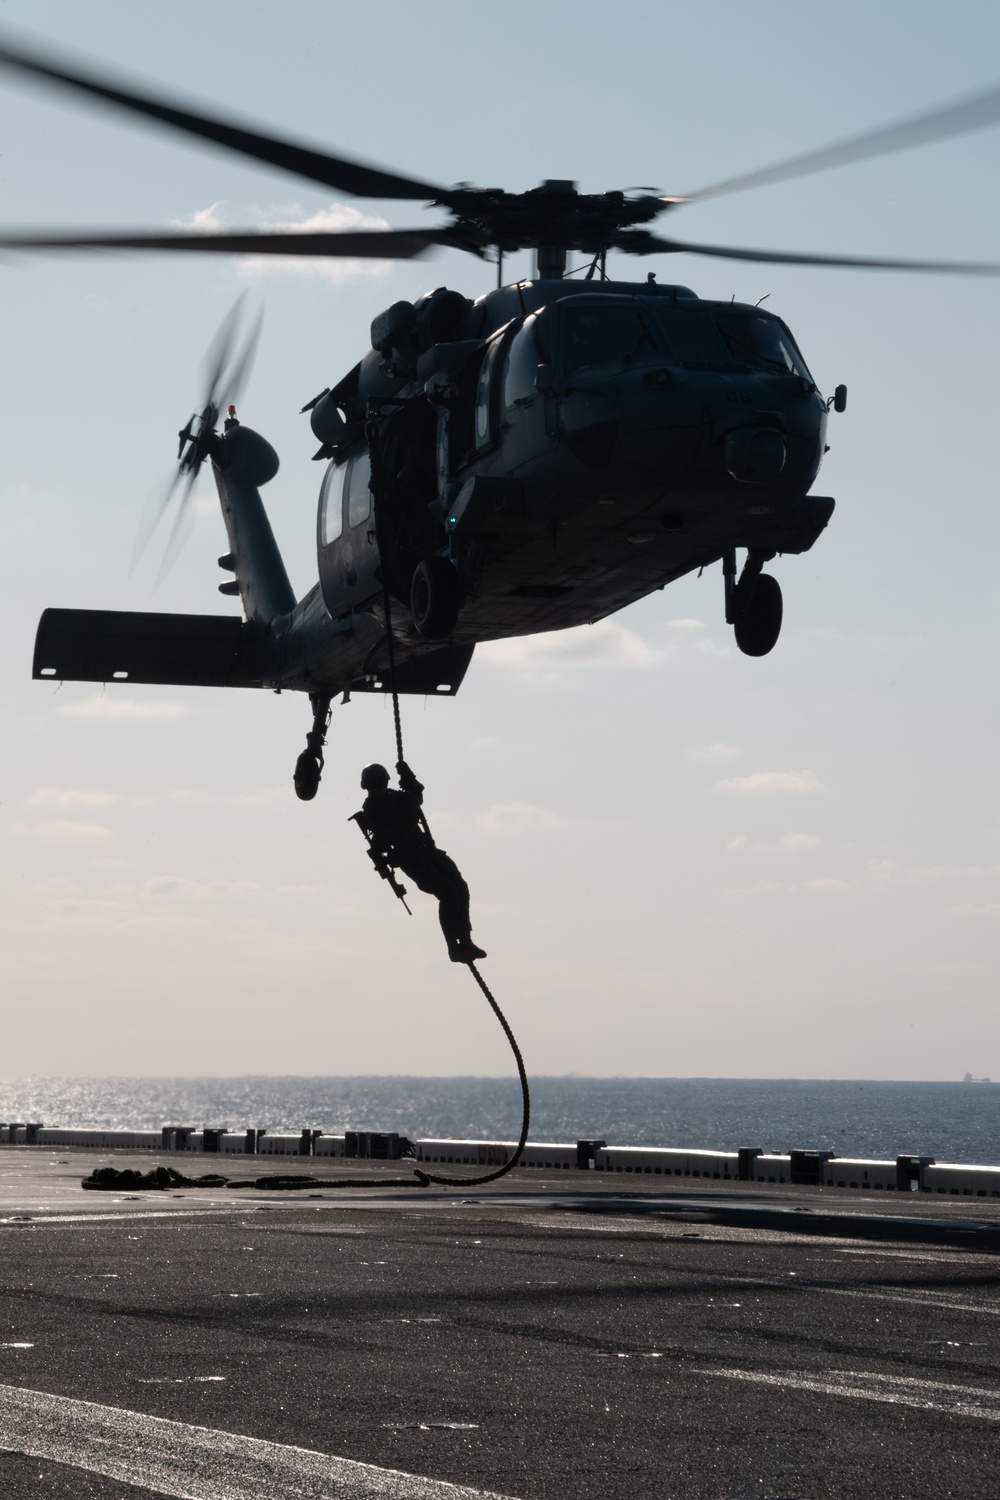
x=399 y=838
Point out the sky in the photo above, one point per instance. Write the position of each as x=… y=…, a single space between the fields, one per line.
x=683 y=861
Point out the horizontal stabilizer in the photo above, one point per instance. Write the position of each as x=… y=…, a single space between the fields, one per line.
x=100 y=645
x=439 y=672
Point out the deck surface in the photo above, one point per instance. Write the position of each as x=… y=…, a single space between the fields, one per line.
x=559 y=1335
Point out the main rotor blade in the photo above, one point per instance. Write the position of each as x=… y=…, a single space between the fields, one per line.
x=848 y=262
x=358 y=244
x=317 y=166
x=974 y=113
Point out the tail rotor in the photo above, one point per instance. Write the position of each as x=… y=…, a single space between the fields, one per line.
x=228 y=365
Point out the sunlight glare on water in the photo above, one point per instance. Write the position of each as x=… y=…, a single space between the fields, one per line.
x=951 y=1121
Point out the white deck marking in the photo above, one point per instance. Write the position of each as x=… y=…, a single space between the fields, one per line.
x=942 y=1301
x=929 y=1301
x=897 y=1390
x=109 y=1215
x=196 y=1463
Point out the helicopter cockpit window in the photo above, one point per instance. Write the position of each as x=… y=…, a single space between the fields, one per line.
x=522 y=365
x=331 y=509
x=596 y=335
x=484 y=394
x=359 y=496
x=762 y=341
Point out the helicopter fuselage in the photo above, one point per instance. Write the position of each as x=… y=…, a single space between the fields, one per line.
x=589 y=447
x=544 y=457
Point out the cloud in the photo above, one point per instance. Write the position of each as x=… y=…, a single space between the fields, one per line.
x=794 y=843
x=606 y=644
x=967 y=909
x=773 y=781
x=718 y=751
x=687 y=624
x=519 y=817
x=204 y=220
x=50 y=796
x=286 y=219
x=483 y=741
x=789 y=843
x=174 y=887
x=65 y=830
x=876 y=874
x=759 y=888
x=102 y=707
x=56 y=889
x=886 y=870
x=166 y=903
x=336 y=218
x=262 y=797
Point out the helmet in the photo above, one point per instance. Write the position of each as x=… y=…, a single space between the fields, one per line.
x=374 y=778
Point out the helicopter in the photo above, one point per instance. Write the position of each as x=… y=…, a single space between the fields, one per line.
x=537 y=458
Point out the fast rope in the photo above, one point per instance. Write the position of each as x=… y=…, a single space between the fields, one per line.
x=428 y=1177
x=372 y=435
x=374 y=459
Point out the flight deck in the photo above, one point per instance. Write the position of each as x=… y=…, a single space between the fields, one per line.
x=542 y=1337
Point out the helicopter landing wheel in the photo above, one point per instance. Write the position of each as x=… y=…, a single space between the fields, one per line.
x=758 y=615
x=435 y=598
x=306 y=778
x=309 y=766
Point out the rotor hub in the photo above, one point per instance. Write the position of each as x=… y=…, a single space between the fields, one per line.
x=554 y=214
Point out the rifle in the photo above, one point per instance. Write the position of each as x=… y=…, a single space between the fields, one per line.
x=381 y=863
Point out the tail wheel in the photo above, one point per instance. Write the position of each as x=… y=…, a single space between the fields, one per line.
x=758 y=617
x=435 y=598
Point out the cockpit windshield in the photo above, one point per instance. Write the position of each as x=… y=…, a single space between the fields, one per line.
x=607 y=335
x=762 y=341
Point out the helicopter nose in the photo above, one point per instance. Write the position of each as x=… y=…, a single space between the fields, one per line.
x=754 y=455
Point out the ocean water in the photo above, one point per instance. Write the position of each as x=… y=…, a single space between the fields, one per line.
x=950 y=1121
